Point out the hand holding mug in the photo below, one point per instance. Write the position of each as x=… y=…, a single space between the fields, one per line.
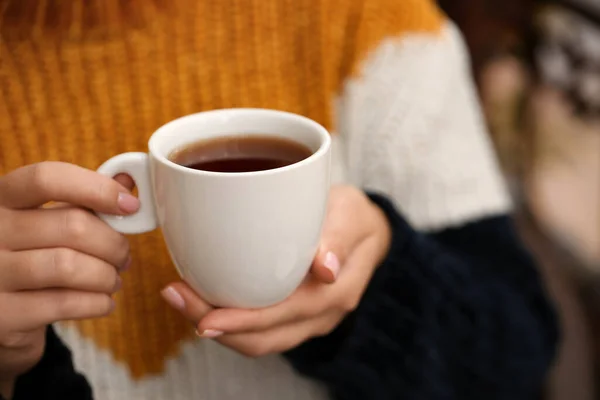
x=244 y=238
x=355 y=238
x=59 y=262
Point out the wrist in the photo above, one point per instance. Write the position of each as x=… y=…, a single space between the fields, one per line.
x=383 y=232
x=400 y=232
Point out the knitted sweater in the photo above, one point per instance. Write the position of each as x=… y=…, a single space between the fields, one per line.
x=82 y=81
x=454 y=315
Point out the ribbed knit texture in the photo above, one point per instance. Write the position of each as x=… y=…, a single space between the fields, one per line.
x=81 y=81
x=91 y=79
x=460 y=314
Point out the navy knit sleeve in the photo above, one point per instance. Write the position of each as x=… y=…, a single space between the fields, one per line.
x=54 y=377
x=461 y=314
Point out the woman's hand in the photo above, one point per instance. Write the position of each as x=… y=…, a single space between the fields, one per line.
x=56 y=263
x=355 y=239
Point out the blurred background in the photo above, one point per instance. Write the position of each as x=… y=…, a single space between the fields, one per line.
x=537 y=65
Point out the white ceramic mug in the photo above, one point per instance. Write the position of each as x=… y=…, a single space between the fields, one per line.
x=239 y=239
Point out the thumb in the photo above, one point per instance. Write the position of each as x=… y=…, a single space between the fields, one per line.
x=339 y=237
x=326 y=265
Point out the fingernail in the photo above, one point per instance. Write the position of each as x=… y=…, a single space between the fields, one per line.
x=128 y=203
x=173 y=297
x=127 y=264
x=118 y=284
x=332 y=263
x=209 y=333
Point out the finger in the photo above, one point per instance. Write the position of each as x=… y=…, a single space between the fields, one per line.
x=309 y=300
x=338 y=238
x=123 y=179
x=126 y=181
x=56 y=268
x=34 y=185
x=282 y=338
x=73 y=228
x=183 y=298
x=32 y=309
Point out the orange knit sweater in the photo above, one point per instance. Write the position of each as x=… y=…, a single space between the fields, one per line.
x=81 y=81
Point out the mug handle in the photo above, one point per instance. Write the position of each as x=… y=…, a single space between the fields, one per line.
x=137 y=166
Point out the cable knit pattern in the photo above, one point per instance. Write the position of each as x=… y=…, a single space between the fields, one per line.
x=82 y=81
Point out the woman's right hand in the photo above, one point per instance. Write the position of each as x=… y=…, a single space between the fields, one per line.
x=57 y=262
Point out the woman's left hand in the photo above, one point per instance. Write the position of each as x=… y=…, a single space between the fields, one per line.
x=355 y=239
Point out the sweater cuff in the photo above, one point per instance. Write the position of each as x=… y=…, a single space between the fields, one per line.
x=54 y=377
x=401 y=230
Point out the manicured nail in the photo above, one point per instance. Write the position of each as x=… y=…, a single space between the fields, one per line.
x=118 y=284
x=209 y=333
x=127 y=264
x=128 y=203
x=172 y=297
x=332 y=263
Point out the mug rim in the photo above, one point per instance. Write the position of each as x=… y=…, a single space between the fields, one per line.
x=320 y=129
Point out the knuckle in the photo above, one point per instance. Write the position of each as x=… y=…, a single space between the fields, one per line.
x=76 y=223
x=67 y=306
x=106 y=191
x=122 y=248
x=63 y=263
x=40 y=176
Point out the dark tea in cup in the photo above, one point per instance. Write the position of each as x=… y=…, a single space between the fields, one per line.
x=247 y=153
